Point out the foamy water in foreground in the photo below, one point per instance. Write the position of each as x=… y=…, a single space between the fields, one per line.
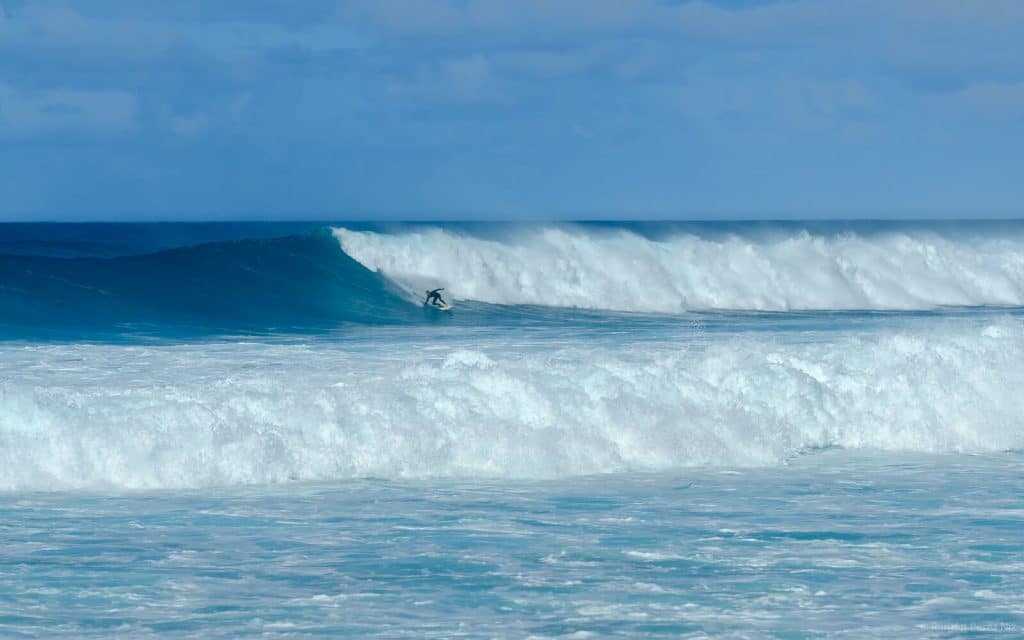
x=501 y=403
x=834 y=545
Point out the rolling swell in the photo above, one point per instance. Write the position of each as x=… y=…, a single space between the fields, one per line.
x=298 y=282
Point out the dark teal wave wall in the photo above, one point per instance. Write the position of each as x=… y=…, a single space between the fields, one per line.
x=297 y=282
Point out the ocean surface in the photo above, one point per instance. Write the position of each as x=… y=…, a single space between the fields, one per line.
x=735 y=430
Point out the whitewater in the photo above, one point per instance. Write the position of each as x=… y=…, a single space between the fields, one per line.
x=620 y=430
x=757 y=267
x=177 y=416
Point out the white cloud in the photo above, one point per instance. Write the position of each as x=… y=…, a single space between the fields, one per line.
x=926 y=40
x=549 y=63
x=67 y=37
x=532 y=20
x=63 y=33
x=785 y=104
x=465 y=79
x=27 y=113
x=469 y=77
x=189 y=125
x=1005 y=100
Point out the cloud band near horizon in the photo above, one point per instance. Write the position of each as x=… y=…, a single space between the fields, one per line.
x=486 y=109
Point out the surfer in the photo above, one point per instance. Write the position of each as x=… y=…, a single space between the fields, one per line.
x=434 y=298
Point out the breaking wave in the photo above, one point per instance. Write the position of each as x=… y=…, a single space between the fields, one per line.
x=708 y=266
x=325 y=278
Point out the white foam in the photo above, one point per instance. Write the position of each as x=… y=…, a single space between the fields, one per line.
x=570 y=266
x=96 y=416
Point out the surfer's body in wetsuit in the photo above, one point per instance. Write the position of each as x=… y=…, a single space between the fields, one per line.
x=434 y=298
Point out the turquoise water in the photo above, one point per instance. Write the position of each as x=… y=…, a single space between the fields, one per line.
x=834 y=544
x=717 y=430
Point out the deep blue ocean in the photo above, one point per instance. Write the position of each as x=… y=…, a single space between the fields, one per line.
x=672 y=430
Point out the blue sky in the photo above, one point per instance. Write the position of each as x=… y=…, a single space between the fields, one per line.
x=343 y=109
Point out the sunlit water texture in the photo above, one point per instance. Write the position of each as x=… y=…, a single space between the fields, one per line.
x=832 y=545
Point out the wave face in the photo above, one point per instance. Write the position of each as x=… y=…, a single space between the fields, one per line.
x=222 y=414
x=103 y=279
x=766 y=267
x=299 y=282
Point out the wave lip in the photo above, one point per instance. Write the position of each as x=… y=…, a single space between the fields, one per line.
x=786 y=270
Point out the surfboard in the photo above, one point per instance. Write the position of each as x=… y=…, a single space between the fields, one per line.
x=445 y=307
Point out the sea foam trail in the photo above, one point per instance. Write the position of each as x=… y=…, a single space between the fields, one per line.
x=202 y=415
x=790 y=269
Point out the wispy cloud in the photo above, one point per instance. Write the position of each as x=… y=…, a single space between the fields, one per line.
x=55 y=111
x=990 y=98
